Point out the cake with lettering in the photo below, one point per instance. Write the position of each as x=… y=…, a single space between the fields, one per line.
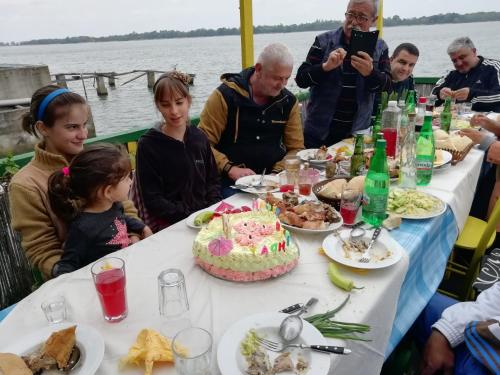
x=246 y=246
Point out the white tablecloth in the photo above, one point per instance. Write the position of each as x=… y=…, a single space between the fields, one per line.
x=216 y=304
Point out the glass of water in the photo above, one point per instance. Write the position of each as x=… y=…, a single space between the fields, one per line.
x=55 y=309
x=192 y=349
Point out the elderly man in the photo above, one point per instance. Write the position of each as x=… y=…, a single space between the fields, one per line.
x=343 y=88
x=475 y=79
x=252 y=120
x=403 y=60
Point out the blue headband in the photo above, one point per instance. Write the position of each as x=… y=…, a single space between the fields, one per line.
x=46 y=101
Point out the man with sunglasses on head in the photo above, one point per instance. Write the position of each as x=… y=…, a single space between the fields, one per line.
x=342 y=88
x=475 y=79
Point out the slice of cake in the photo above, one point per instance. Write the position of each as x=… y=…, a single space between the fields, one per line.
x=11 y=364
x=246 y=246
x=60 y=345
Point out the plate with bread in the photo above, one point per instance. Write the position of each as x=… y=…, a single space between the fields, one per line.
x=48 y=351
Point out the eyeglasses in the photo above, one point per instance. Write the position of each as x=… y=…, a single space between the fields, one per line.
x=361 y=18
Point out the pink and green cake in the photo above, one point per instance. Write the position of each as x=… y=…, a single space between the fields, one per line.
x=246 y=246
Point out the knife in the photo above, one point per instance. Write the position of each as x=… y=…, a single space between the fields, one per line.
x=291 y=309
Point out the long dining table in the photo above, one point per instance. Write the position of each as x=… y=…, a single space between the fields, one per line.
x=389 y=302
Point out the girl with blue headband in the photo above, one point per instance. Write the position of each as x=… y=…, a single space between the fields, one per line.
x=59 y=118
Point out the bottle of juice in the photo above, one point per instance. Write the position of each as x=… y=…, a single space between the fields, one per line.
x=391 y=118
x=425 y=152
x=376 y=189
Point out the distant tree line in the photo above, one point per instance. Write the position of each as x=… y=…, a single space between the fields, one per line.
x=317 y=25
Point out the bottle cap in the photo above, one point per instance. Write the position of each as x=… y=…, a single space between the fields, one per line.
x=422 y=100
x=392 y=103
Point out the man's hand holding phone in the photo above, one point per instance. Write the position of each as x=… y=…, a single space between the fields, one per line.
x=363 y=63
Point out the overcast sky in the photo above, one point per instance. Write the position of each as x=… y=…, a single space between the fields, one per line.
x=36 y=19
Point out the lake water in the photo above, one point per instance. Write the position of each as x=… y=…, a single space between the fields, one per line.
x=131 y=106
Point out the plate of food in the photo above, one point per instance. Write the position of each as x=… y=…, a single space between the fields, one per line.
x=51 y=347
x=251 y=184
x=238 y=350
x=383 y=253
x=441 y=158
x=305 y=216
x=315 y=155
x=414 y=204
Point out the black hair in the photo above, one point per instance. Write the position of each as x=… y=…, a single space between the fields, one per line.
x=409 y=47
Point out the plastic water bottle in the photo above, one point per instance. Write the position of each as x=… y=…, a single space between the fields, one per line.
x=408 y=167
x=376 y=189
x=391 y=118
x=425 y=152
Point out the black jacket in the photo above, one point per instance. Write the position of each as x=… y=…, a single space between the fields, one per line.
x=483 y=81
x=176 y=178
x=94 y=235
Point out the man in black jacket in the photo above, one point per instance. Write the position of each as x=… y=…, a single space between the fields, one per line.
x=475 y=79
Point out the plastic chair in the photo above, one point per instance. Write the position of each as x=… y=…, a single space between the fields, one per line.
x=477 y=236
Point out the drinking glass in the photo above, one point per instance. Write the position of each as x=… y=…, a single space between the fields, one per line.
x=287 y=181
x=305 y=182
x=349 y=205
x=109 y=281
x=192 y=349
x=172 y=297
x=55 y=309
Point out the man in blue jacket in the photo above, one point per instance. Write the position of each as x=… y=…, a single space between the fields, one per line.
x=342 y=88
x=475 y=79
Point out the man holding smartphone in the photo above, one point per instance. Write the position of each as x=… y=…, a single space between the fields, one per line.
x=342 y=86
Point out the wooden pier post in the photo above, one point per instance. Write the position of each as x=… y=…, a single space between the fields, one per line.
x=151 y=79
x=111 y=80
x=61 y=80
x=101 y=87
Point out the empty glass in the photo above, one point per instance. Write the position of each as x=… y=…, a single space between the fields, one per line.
x=55 y=309
x=192 y=349
x=172 y=297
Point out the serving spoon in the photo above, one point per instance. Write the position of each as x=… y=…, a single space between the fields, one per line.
x=291 y=326
x=73 y=361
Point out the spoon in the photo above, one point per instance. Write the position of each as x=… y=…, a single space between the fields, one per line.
x=291 y=326
x=74 y=359
x=356 y=234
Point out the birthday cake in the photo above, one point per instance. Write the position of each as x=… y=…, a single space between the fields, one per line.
x=246 y=246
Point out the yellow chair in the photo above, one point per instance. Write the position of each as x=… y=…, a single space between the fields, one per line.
x=477 y=235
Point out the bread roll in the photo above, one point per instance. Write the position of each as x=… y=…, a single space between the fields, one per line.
x=333 y=189
x=357 y=183
x=11 y=364
x=440 y=134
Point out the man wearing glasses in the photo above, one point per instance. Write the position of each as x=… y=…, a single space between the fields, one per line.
x=342 y=89
x=475 y=78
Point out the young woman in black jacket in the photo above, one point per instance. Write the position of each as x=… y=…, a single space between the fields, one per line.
x=176 y=173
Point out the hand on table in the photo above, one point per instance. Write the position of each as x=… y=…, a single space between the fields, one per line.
x=438 y=355
x=485 y=122
x=236 y=172
x=363 y=63
x=475 y=135
x=335 y=59
x=493 y=155
x=146 y=232
x=134 y=238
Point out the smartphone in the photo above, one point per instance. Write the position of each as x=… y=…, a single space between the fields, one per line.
x=363 y=41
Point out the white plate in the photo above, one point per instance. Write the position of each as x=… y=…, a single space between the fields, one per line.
x=190 y=219
x=439 y=210
x=254 y=179
x=446 y=159
x=328 y=229
x=89 y=341
x=232 y=362
x=308 y=155
x=333 y=248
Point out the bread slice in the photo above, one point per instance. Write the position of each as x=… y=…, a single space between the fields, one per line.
x=60 y=345
x=11 y=364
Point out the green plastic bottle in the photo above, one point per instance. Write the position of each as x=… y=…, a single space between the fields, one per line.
x=376 y=188
x=446 y=115
x=425 y=152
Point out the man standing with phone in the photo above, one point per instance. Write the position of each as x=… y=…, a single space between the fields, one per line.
x=343 y=87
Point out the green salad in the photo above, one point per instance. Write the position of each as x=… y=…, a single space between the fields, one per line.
x=412 y=203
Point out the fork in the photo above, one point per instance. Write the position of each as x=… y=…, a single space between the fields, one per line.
x=261 y=180
x=366 y=257
x=279 y=347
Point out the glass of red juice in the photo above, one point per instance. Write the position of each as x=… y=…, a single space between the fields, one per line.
x=109 y=280
x=287 y=182
x=349 y=205
x=305 y=182
x=391 y=137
